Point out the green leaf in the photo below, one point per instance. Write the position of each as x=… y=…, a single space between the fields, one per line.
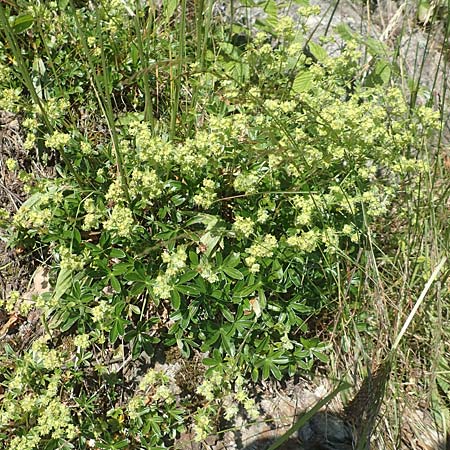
x=178 y=199
x=318 y=51
x=188 y=276
x=66 y=325
x=122 y=444
x=276 y=372
x=302 y=82
x=227 y=343
x=265 y=371
x=117 y=253
x=227 y=314
x=175 y=299
x=170 y=6
x=320 y=356
x=271 y=9
x=345 y=32
x=115 y=284
x=210 y=241
x=232 y=260
x=233 y=273
x=63 y=283
x=248 y=290
x=117 y=330
x=189 y=289
x=121 y=268
x=22 y=23
x=134 y=309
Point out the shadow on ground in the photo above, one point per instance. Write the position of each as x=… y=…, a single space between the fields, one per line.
x=327 y=431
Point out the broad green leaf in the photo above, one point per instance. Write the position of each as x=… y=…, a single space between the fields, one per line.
x=117 y=253
x=22 y=23
x=345 y=32
x=318 y=52
x=232 y=260
x=67 y=324
x=121 y=268
x=271 y=9
x=115 y=284
x=210 y=241
x=248 y=290
x=302 y=82
x=63 y=283
x=189 y=289
x=175 y=299
x=170 y=6
x=276 y=372
x=227 y=314
x=114 y=333
x=188 y=276
x=233 y=273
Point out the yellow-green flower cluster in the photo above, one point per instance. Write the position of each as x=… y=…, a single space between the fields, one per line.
x=246 y=182
x=31 y=124
x=10 y=99
x=82 y=341
x=56 y=108
x=309 y=11
x=241 y=396
x=377 y=200
x=206 y=197
x=278 y=108
x=33 y=217
x=188 y=158
x=48 y=416
x=150 y=378
x=145 y=184
x=305 y=242
x=15 y=301
x=263 y=247
x=91 y=220
x=162 y=286
x=262 y=215
x=202 y=425
x=57 y=140
x=150 y=148
x=305 y=207
x=176 y=262
x=10 y=303
x=101 y=313
x=120 y=222
x=86 y=148
x=5 y=71
x=284 y=28
x=115 y=191
x=69 y=261
x=243 y=227
x=207 y=271
x=350 y=231
x=154 y=389
x=42 y=355
x=11 y=164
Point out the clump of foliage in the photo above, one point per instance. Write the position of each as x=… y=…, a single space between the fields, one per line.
x=208 y=197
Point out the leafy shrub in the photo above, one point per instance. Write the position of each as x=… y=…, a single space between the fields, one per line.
x=225 y=236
